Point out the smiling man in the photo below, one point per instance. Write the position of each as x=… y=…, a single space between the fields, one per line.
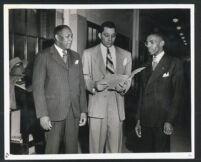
x=160 y=97
x=59 y=93
x=106 y=108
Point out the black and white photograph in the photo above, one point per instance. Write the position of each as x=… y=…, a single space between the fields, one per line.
x=99 y=81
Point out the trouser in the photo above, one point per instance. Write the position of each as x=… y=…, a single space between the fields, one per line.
x=106 y=133
x=63 y=133
x=154 y=140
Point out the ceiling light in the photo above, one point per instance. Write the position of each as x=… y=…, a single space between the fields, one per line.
x=178 y=27
x=185 y=44
x=175 y=20
x=184 y=40
x=182 y=37
x=181 y=34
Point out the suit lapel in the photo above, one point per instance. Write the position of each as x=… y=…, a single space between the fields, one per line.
x=98 y=58
x=146 y=73
x=70 y=59
x=55 y=55
x=160 y=68
x=119 y=59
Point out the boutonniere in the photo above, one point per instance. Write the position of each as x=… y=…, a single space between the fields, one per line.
x=125 y=61
x=166 y=75
x=77 y=61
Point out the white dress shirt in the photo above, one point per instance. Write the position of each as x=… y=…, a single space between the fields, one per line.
x=158 y=57
x=60 y=50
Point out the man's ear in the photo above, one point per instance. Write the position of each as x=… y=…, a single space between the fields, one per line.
x=99 y=35
x=56 y=37
x=162 y=43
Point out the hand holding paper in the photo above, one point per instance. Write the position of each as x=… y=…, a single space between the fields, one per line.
x=101 y=85
x=123 y=86
x=117 y=82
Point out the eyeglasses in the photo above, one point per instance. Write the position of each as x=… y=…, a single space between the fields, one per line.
x=151 y=42
x=108 y=35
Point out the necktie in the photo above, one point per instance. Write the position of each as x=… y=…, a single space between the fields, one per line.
x=109 y=63
x=154 y=63
x=65 y=56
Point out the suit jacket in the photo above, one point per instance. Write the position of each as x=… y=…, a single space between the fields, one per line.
x=94 y=70
x=161 y=93
x=56 y=86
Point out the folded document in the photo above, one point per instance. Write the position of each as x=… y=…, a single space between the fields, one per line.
x=114 y=79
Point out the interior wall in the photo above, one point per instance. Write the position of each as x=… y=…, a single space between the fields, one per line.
x=121 y=18
x=78 y=26
x=77 y=20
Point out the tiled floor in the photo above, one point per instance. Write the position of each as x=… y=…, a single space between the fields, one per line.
x=180 y=140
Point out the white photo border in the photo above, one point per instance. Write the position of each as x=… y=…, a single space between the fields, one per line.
x=183 y=155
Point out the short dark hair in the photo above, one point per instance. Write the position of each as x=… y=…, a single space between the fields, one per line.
x=108 y=24
x=158 y=34
x=58 y=28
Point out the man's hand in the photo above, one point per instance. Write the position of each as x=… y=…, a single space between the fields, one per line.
x=101 y=85
x=138 y=129
x=168 y=128
x=123 y=86
x=83 y=119
x=45 y=123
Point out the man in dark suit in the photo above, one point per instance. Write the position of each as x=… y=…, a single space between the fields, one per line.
x=106 y=107
x=59 y=93
x=160 y=97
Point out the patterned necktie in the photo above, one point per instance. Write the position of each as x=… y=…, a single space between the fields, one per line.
x=109 y=63
x=154 y=63
x=65 y=56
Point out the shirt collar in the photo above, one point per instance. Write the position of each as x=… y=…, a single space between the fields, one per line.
x=103 y=48
x=60 y=50
x=158 y=57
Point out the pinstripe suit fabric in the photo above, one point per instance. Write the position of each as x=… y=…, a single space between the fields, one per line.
x=58 y=88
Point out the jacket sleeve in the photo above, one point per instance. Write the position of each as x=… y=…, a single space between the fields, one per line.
x=38 y=83
x=87 y=71
x=129 y=64
x=83 y=100
x=139 y=103
x=178 y=86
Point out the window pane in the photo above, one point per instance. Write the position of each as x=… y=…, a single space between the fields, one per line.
x=19 y=19
x=11 y=20
x=89 y=35
x=50 y=25
x=31 y=48
x=10 y=46
x=43 y=20
x=32 y=22
x=19 y=46
x=94 y=35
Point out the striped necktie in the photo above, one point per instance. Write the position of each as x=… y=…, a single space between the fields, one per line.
x=109 y=63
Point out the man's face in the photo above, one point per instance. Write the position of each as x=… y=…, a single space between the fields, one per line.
x=154 y=44
x=108 y=36
x=64 y=38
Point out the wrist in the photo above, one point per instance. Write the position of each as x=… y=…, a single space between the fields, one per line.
x=94 y=90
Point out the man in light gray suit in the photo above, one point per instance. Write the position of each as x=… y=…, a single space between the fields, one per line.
x=106 y=108
x=59 y=93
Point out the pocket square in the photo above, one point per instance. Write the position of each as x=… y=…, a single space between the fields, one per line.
x=166 y=75
x=125 y=62
x=77 y=61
